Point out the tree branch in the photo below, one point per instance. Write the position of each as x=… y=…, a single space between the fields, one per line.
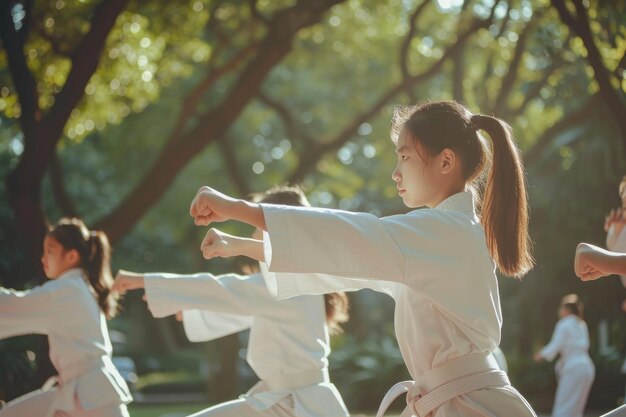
x=579 y=24
x=406 y=43
x=232 y=165
x=288 y=120
x=577 y=117
x=62 y=198
x=85 y=59
x=23 y=80
x=283 y=27
x=316 y=152
x=511 y=76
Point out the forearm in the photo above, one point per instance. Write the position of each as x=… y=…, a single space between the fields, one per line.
x=607 y=262
x=252 y=248
x=611 y=262
x=250 y=213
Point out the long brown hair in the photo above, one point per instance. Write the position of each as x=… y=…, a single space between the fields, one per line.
x=504 y=209
x=337 y=304
x=95 y=252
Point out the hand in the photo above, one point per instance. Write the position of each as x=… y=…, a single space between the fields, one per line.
x=537 y=357
x=126 y=280
x=615 y=216
x=586 y=266
x=220 y=244
x=210 y=205
x=179 y=316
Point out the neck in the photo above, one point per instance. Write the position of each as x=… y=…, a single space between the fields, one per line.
x=445 y=194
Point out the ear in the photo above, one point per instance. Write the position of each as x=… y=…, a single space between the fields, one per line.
x=73 y=257
x=447 y=161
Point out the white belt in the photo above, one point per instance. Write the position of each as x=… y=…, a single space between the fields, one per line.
x=445 y=382
x=281 y=382
x=72 y=371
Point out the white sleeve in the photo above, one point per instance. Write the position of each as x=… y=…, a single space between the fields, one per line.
x=202 y=326
x=33 y=311
x=283 y=285
x=360 y=245
x=230 y=294
x=557 y=343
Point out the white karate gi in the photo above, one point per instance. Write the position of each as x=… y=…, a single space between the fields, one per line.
x=433 y=262
x=618 y=244
x=288 y=346
x=66 y=310
x=574 y=370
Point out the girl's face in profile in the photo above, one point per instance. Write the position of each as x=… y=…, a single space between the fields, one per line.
x=56 y=259
x=415 y=178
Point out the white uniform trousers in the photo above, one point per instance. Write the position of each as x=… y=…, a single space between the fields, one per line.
x=574 y=384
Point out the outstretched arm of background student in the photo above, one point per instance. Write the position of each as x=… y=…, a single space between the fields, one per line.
x=219 y=244
x=592 y=262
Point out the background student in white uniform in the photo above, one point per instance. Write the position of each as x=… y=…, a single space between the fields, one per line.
x=289 y=339
x=71 y=309
x=574 y=370
x=592 y=262
x=437 y=263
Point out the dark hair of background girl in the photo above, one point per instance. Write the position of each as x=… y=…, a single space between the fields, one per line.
x=95 y=252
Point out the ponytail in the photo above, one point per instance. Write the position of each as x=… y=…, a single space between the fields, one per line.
x=504 y=211
x=95 y=253
x=98 y=270
x=337 y=306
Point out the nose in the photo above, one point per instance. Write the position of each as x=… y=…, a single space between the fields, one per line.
x=395 y=175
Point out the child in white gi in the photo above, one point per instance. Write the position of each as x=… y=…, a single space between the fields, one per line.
x=289 y=340
x=574 y=370
x=592 y=262
x=437 y=263
x=71 y=309
x=614 y=226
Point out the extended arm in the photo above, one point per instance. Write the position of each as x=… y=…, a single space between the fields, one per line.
x=592 y=262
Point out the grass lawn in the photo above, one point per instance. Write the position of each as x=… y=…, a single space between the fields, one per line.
x=185 y=409
x=165 y=410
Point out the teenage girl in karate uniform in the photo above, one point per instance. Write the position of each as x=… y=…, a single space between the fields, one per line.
x=71 y=309
x=437 y=263
x=574 y=370
x=289 y=343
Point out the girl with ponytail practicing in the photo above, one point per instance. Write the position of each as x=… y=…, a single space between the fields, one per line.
x=289 y=339
x=71 y=309
x=439 y=263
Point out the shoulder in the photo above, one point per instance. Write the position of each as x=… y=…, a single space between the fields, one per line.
x=568 y=322
x=445 y=225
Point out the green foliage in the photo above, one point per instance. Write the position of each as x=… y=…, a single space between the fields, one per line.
x=159 y=52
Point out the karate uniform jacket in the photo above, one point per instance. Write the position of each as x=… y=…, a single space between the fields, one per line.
x=66 y=310
x=288 y=345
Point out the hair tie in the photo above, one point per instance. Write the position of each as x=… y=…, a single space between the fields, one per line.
x=475 y=121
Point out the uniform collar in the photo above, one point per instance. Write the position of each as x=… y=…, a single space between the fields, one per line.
x=72 y=273
x=463 y=201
